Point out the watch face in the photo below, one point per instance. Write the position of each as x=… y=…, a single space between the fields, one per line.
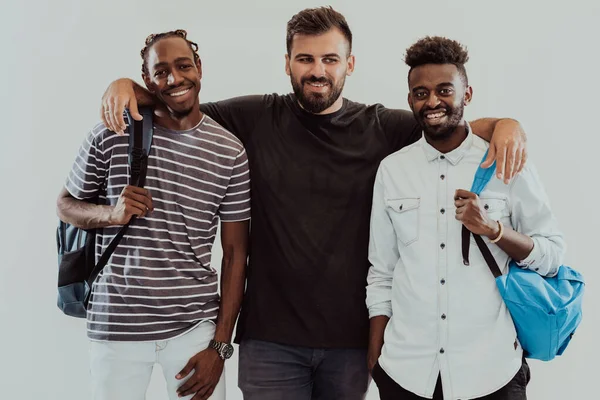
x=227 y=351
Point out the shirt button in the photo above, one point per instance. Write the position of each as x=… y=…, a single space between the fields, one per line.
x=443 y=316
x=486 y=207
x=442 y=211
x=442 y=177
x=443 y=281
x=442 y=351
x=442 y=246
x=442 y=157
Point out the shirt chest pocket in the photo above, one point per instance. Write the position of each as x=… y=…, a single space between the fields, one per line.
x=496 y=208
x=404 y=213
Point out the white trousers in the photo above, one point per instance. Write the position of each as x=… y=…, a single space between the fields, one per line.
x=122 y=370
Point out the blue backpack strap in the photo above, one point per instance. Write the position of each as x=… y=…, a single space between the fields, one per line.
x=482 y=176
x=480 y=181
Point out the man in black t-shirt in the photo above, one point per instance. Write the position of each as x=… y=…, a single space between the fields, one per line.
x=304 y=328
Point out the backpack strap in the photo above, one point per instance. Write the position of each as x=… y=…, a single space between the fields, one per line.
x=480 y=181
x=140 y=143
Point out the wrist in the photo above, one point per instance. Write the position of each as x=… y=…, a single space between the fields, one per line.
x=224 y=350
x=493 y=229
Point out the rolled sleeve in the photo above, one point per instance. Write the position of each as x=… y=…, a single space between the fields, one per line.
x=383 y=254
x=532 y=216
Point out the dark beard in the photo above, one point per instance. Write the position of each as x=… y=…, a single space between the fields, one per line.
x=444 y=131
x=316 y=103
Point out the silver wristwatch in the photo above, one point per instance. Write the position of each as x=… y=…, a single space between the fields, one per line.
x=225 y=350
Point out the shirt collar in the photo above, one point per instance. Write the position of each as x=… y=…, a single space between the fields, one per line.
x=431 y=153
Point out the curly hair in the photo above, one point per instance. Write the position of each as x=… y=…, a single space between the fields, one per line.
x=437 y=50
x=316 y=21
x=155 y=37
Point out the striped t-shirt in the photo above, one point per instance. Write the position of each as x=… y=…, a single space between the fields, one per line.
x=159 y=283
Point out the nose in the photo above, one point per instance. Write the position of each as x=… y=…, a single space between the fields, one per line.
x=174 y=78
x=433 y=101
x=318 y=69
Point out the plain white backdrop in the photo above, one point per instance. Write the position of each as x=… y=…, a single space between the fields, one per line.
x=530 y=60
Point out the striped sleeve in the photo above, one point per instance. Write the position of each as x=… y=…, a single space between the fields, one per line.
x=88 y=173
x=236 y=203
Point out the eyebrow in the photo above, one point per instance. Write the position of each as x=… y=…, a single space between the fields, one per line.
x=180 y=59
x=443 y=84
x=330 y=55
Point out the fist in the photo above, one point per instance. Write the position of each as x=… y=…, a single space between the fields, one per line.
x=132 y=201
x=471 y=214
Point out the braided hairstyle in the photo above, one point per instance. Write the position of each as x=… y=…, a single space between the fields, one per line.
x=155 y=37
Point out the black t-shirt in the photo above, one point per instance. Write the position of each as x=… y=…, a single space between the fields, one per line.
x=311 y=185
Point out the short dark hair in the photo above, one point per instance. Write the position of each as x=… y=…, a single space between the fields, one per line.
x=155 y=37
x=438 y=50
x=316 y=21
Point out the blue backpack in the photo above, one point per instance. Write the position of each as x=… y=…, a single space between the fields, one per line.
x=546 y=311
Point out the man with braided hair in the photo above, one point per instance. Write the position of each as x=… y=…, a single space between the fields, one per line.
x=157 y=300
x=448 y=334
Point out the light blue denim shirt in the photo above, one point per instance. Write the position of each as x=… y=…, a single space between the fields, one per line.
x=447 y=317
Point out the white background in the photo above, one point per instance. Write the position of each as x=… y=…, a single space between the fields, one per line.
x=530 y=60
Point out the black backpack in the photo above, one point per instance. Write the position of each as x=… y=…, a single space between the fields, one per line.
x=77 y=269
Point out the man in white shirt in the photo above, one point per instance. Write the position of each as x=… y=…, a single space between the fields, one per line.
x=439 y=328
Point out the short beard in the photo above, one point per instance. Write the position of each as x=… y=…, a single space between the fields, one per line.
x=442 y=132
x=316 y=103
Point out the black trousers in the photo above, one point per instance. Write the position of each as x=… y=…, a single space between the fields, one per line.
x=390 y=390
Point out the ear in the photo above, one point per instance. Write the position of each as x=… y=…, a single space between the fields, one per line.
x=410 y=102
x=468 y=95
x=351 y=62
x=288 y=71
x=148 y=83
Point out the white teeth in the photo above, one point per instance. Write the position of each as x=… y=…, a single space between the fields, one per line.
x=176 y=94
x=436 y=115
x=316 y=84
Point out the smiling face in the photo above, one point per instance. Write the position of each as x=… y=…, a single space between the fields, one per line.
x=173 y=75
x=318 y=66
x=437 y=96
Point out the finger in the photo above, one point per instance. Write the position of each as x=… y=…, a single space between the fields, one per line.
x=111 y=121
x=511 y=155
x=118 y=106
x=500 y=161
x=522 y=160
x=464 y=194
x=191 y=386
x=143 y=201
x=102 y=116
x=203 y=393
x=106 y=117
x=489 y=160
x=186 y=370
x=134 y=208
x=461 y=203
x=133 y=109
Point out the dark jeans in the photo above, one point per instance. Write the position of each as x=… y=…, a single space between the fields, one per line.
x=390 y=390
x=271 y=371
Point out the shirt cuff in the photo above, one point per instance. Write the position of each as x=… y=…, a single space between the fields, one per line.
x=534 y=261
x=384 y=309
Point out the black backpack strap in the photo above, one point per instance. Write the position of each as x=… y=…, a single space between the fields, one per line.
x=140 y=143
x=485 y=251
